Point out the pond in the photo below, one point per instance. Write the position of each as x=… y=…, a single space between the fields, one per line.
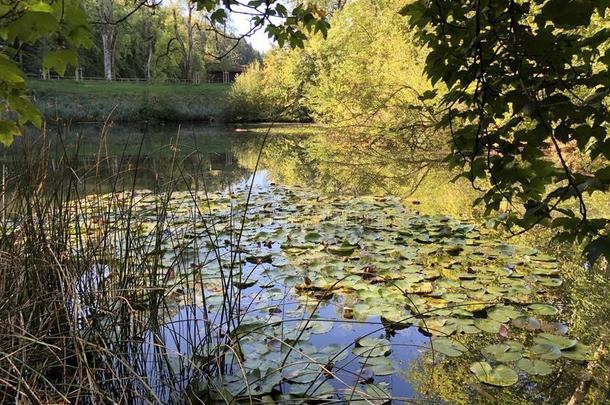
x=227 y=274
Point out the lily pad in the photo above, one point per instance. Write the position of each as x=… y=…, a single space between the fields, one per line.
x=535 y=367
x=487 y=325
x=543 y=309
x=560 y=342
x=448 y=347
x=372 y=347
x=501 y=376
x=544 y=351
x=379 y=365
x=503 y=352
x=579 y=352
x=503 y=313
x=527 y=323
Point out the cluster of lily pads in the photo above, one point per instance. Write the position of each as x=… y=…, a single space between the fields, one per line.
x=369 y=259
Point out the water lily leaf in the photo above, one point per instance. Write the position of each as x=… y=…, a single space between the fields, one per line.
x=448 y=347
x=379 y=365
x=503 y=352
x=373 y=394
x=543 y=309
x=420 y=288
x=555 y=328
x=560 y=342
x=301 y=375
x=367 y=351
x=526 y=322
x=320 y=327
x=579 y=352
x=503 y=313
x=544 y=351
x=551 y=282
x=372 y=347
x=435 y=326
x=315 y=390
x=501 y=376
x=313 y=237
x=487 y=325
x=344 y=250
x=460 y=325
x=535 y=367
x=454 y=297
x=260 y=259
x=377 y=392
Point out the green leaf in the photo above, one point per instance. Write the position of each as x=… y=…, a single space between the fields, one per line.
x=543 y=309
x=501 y=376
x=559 y=342
x=10 y=72
x=41 y=7
x=535 y=367
x=59 y=60
x=8 y=130
x=544 y=351
x=503 y=352
x=579 y=352
x=448 y=347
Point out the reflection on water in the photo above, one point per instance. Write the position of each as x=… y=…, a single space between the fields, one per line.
x=210 y=159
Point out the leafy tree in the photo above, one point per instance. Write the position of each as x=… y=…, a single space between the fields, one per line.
x=65 y=27
x=525 y=81
x=22 y=22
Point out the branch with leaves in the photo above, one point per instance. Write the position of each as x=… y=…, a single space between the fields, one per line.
x=524 y=80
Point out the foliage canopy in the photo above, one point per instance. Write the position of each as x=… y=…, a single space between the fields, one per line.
x=526 y=81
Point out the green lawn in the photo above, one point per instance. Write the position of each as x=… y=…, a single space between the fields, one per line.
x=95 y=101
x=99 y=87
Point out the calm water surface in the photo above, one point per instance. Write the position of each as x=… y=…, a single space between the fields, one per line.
x=222 y=159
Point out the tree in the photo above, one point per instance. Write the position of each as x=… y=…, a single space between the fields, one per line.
x=65 y=25
x=185 y=30
x=108 y=34
x=24 y=22
x=525 y=81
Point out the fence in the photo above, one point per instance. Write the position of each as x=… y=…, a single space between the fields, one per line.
x=210 y=77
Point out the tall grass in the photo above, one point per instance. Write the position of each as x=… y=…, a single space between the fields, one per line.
x=85 y=299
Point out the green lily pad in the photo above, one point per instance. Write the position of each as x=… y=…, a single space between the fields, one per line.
x=560 y=342
x=313 y=237
x=579 y=352
x=543 y=309
x=487 y=325
x=448 y=347
x=379 y=365
x=527 y=323
x=372 y=347
x=501 y=376
x=503 y=352
x=503 y=313
x=344 y=250
x=535 y=367
x=544 y=351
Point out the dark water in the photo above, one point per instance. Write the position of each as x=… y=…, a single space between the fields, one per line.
x=223 y=159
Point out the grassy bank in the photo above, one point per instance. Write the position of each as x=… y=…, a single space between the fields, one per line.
x=94 y=101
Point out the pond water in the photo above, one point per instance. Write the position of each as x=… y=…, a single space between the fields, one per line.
x=300 y=287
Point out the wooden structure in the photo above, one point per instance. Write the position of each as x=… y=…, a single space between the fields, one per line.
x=219 y=73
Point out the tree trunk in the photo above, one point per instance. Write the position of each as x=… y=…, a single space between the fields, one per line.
x=107 y=31
x=150 y=48
x=186 y=48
